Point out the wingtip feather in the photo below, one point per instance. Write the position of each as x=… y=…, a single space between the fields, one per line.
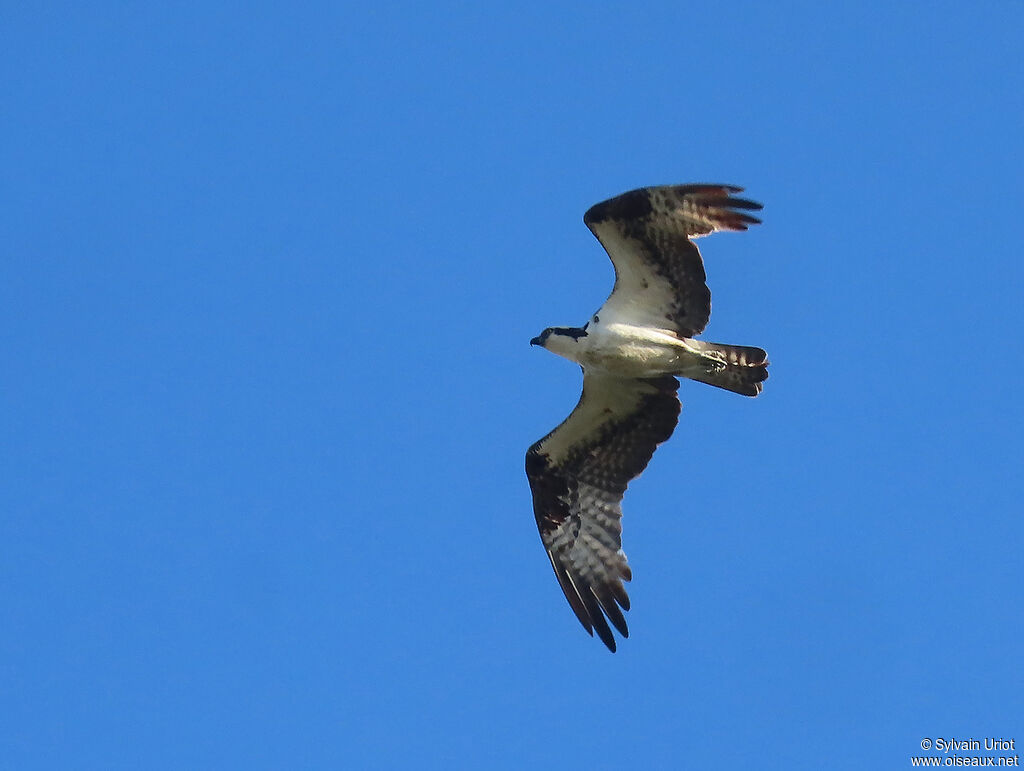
x=743 y=203
x=593 y=606
x=611 y=609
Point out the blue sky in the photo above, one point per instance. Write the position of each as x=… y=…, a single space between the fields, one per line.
x=268 y=281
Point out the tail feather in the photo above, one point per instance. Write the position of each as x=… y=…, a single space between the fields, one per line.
x=740 y=368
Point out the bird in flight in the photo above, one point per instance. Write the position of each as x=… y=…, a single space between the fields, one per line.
x=631 y=351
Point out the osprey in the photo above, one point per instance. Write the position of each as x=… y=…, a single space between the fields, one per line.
x=631 y=352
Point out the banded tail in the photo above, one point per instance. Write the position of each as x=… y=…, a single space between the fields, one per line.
x=741 y=369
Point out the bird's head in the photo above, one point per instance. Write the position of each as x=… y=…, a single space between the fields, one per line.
x=559 y=339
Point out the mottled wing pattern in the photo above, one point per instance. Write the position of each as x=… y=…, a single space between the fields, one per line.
x=578 y=474
x=659 y=274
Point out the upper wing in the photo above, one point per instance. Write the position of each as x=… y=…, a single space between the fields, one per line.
x=578 y=474
x=659 y=275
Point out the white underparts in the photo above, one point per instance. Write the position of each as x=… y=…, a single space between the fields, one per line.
x=632 y=351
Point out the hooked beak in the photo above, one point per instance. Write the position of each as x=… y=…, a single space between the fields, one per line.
x=536 y=341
